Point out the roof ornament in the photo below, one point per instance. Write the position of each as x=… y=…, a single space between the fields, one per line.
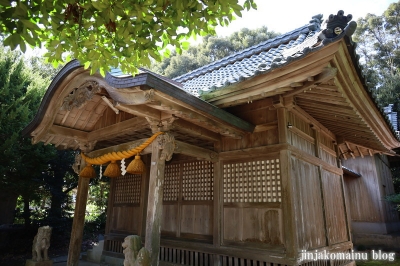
x=338 y=24
x=315 y=23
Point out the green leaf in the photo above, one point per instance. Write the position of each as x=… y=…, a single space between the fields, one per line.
x=167 y=53
x=99 y=5
x=30 y=25
x=22 y=46
x=5 y=3
x=86 y=65
x=55 y=63
x=102 y=71
x=185 y=45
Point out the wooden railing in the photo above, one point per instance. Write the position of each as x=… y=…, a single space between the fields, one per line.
x=173 y=256
x=186 y=257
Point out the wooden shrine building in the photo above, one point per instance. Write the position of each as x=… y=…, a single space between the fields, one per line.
x=249 y=170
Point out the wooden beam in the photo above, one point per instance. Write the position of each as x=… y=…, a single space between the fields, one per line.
x=255 y=97
x=297 y=110
x=195 y=130
x=302 y=134
x=181 y=147
x=358 y=149
x=68 y=132
x=349 y=150
x=181 y=124
x=266 y=126
x=172 y=108
x=296 y=84
x=122 y=147
x=314 y=160
x=370 y=153
x=322 y=98
x=75 y=243
x=121 y=128
x=253 y=152
x=196 y=152
x=327 y=74
x=342 y=153
x=139 y=110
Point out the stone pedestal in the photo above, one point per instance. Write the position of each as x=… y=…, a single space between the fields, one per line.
x=39 y=263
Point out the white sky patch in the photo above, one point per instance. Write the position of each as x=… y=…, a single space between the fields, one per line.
x=286 y=15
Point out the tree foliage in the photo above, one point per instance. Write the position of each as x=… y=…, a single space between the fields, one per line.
x=20 y=94
x=111 y=33
x=211 y=49
x=32 y=172
x=378 y=39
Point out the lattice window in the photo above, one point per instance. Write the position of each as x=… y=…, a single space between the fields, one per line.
x=127 y=189
x=171 y=182
x=197 y=180
x=255 y=181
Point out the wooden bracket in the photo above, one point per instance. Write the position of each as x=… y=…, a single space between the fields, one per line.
x=277 y=101
x=327 y=74
x=161 y=125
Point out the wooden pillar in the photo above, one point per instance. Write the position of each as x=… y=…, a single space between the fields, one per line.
x=218 y=210
x=282 y=125
x=78 y=222
x=155 y=196
x=288 y=187
x=346 y=204
x=288 y=205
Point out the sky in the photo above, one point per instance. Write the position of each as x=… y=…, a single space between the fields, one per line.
x=286 y=15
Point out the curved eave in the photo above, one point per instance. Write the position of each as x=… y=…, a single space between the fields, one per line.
x=173 y=92
x=372 y=113
x=65 y=71
x=144 y=81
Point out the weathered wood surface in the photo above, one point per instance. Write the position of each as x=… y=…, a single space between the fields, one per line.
x=154 y=203
x=334 y=202
x=259 y=114
x=309 y=212
x=252 y=196
x=188 y=209
x=75 y=243
x=374 y=183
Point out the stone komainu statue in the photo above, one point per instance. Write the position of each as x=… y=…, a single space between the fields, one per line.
x=135 y=255
x=41 y=243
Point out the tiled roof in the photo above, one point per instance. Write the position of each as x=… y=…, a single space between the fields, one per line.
x=250 y=62
x=264 y=57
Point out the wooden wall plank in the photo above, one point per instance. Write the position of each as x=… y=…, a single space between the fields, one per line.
x=308 y=205
x=364 y=197
x=335 y=213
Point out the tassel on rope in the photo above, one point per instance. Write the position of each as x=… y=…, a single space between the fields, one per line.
x=88 y=171
x=112 y=170
x=136 y=167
